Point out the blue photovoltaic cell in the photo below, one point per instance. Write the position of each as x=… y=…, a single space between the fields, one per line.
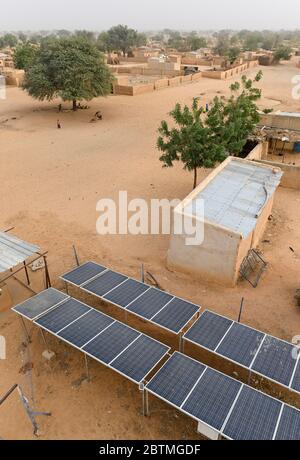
x=40 y=303
x=254 y=416
x=176 y=314
x=86 y=328
x=140 y=358
x=240 y=344
x=83 y=273
x=104 y=283
x=296 y=379
x=212 y=398
x=150 y=303
x=110 y=343
x=175 y=380
x=289 y=425
x=62 y=315
x=208 y=330
x=126 y=293
x=275 y=360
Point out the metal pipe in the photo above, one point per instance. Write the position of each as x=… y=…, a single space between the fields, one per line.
x=27 y=274
x=241 y=310
x=8 y=394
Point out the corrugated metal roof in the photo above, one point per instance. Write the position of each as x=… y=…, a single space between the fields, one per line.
x=289 y=114
x=14 y=251
x=236 y=195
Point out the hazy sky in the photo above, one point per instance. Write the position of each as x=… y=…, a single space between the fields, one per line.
x=150 y=14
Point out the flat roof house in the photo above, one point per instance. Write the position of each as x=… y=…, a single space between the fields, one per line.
x=238 y=198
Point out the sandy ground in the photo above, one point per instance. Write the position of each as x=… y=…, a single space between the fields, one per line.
x=50 y=182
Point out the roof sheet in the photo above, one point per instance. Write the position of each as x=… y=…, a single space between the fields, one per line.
x=236 y=195
x=14 y=251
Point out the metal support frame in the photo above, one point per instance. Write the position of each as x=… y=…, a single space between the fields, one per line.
x=76 y=256
x=26 y=273
x=25 y=266
x=31 y=413
x=88 y=376
x=241 y=310
x=25 y=329
x=142 y=273
x=44 y=337
x=145 y=400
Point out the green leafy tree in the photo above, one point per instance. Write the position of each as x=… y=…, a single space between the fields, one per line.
x=282 y=53
x=102 y=42
x=234 y=119
x=86 y=34
x=194 y=42
x=22 y=37
x=70 y=68
x=24 y=55
x=233 y=54
x=121 y=38
x=10 y=40
x=223 y=43
x=190 y=141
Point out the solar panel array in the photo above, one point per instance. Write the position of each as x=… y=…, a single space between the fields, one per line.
x=108 y=341
x=229 y=407
x=148 y=303
x=272 y=358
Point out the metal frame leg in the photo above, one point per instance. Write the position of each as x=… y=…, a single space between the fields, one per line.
x=180 y=343
x=44 y=338
x=146 y=403
x=25 y=329
x=87 y=368
x=145 y=400
x=67 y=288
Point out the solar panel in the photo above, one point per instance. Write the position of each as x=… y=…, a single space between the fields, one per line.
x=110 y=343
x=212 y=398
x=150 y=303
x=275 y=360
x=138 y=298
x=208 y=330
x=289 y=425
x=85 y=328
x=254 y=416
x=104 y=283
x=176 y=315
x=62 y=315
x=40 y=303
x=126 y=293
x=140 y=358
x=241 y=344
x=83 y=273
x=296 y=379
x=175 y=380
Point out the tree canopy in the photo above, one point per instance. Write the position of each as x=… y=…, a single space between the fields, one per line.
x=191 y=141
x=283 y=53
x=234 y=119
x=24 y=55
x=70 y=68
x=121 y=38
x=202 y=140
x=10 y=40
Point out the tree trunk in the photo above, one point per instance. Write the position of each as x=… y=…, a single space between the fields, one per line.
x=74 y=105
x=195 y=178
